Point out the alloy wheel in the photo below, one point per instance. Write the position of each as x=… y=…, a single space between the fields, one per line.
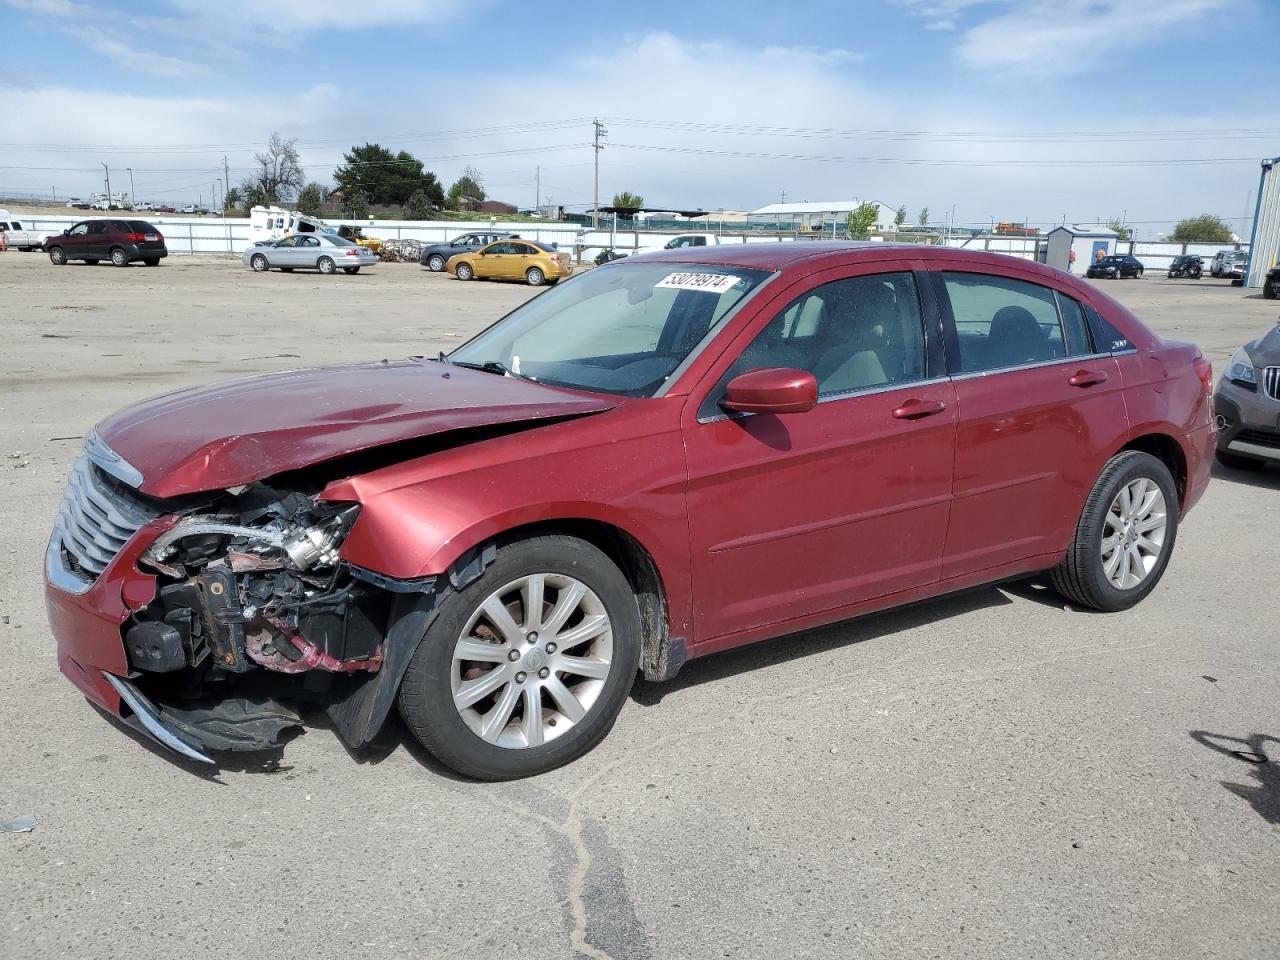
x=436 y=263
x=532 y=661
x=1134 y=533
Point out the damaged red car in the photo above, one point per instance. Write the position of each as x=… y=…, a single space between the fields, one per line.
x=658 y=459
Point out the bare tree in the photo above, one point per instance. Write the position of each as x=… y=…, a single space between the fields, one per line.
x=279 y=175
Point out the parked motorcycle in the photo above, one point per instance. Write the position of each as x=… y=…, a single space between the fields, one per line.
x=606 y=255
x=1189 y=267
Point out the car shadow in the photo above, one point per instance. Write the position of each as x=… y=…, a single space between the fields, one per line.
x=1264 y=793
x=1266 y=478
x=766 y=654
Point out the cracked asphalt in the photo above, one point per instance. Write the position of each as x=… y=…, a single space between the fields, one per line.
x=988 y=775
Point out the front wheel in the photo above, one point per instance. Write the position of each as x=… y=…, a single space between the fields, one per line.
x=435 y=263
x=326 y=265
x=57 y=256
x=1195 y=273
x=119 y=258
x=350 y=269
x=1125 y=535
x=534 y=277
x=527 y=667
x=1271 y=289
x=259 y=263
x=464 y=272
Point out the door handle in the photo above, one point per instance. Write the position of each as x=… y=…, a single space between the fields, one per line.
x=917 y=409
x=1087 y=378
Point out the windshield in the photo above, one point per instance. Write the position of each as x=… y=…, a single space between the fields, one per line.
x=620 y=329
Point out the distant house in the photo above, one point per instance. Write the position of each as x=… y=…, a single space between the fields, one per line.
x=496 y=206
x=820 y=215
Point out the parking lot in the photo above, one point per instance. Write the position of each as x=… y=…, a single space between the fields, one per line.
x=988 y=775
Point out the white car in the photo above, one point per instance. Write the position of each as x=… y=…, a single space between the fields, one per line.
x=190 y=208
x=326 y=252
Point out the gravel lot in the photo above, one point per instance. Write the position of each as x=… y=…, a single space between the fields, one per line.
x=990 y=775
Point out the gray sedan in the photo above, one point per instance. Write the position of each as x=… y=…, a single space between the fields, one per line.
x=326 y=252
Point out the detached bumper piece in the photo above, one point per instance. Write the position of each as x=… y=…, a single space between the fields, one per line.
x=232 y=724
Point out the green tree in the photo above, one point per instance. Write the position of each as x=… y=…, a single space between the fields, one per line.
x=419 y=206
x=385 y=177
x=355 y=204
x=900 y=217
x=1205 y=228
x=311 y=199
x=923 y=219
x=232 y=200
x=1122 y=232
x=861 y=220
x=467 y=191
x=628 y=200
x=278 y=175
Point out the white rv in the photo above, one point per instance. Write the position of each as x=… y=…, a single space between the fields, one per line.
x=267 y=224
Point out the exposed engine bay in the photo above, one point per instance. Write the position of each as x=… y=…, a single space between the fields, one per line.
x=251 y=582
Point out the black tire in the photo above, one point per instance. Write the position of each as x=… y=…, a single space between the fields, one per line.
x=426 y=696
x=435 y=263
x=286 y=269
x=93 y=262
x=152 y=261
x=1080 y=576
x=1139 y=274
x=1271 y=289
x=57 y=256
x=534 y=277
x=1238 y=461
x=1170 y=274
x=258 y=263
x=119 y=257
x=350 y=269
x=326 y=265
x=464 y=272
x=1195 y=273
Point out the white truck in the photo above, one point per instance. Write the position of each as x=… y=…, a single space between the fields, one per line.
x=688 y=240
x=15 y=236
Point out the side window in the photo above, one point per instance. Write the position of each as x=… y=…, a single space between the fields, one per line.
x=524 y=248
x=310 y=242
x=79 y=230
x=1073 y=322
x=288 y=242
x=97 y=227
x=859 y=333
x=1002 y=322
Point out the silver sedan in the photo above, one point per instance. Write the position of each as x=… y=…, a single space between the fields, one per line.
x=326 y=252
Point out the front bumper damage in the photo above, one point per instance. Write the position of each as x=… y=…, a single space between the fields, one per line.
x=209 y=631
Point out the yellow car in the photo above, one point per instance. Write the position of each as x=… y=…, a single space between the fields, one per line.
x=534 y=263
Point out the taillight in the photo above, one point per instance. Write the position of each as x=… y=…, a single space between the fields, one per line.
x=135 y=237
x=1204 y=370
x=353 y=253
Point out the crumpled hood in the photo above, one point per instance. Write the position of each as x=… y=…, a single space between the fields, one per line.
x=1265 y=351
x=224 y=435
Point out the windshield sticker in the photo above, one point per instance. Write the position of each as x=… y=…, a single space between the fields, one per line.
x=708 y=282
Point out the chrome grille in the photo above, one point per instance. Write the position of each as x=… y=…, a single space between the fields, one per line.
x=1271 y=381
x=97 y=518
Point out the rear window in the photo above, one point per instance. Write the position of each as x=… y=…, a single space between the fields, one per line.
x=338 y=241
x=141 y=226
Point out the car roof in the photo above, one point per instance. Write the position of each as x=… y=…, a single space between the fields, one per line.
x=817 y=254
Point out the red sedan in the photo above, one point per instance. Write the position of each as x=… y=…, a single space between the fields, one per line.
x=659 y=459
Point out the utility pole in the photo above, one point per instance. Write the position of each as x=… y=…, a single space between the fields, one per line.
x=132 y=196
x=597 y=146
x=784 y=196
x=537 y=190
x=226 y=172
x=108 y=175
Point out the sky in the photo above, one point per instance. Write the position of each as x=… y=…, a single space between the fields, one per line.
x=1023 y=110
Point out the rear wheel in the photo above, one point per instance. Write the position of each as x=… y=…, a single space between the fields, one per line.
x=1125 y=535
x=435 y=263
x=350 y=269
x=1271 y=289
x=464 y=272
x=1237 y=461
x=119 y=258
x=259 y=263
x=152 y=261
x=326 y=265
x=534 y=277
x=1195 y=273
x=57 y=256
x=527 y=667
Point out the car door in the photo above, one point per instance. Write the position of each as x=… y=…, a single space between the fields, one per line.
x=494 y=260
x=799 y=514
x=522 y=258
x=75 y=240
x=284 y=252
x=96 y=240
x=308 y=251
x=1039 y=411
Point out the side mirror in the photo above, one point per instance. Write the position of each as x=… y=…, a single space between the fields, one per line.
x=772 y=390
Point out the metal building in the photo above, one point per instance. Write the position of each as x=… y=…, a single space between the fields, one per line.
x=1264 y=245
